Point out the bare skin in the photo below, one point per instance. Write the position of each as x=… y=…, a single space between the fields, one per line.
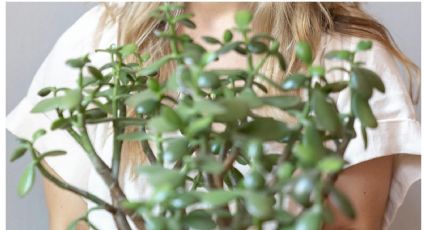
x=64 y=206
x=366 y=184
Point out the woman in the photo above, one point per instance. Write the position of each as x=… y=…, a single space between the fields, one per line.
x=376 y=180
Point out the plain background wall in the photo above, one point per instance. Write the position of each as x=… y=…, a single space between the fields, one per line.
x=33 y=28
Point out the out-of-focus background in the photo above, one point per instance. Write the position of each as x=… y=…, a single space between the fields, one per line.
x=33 y=28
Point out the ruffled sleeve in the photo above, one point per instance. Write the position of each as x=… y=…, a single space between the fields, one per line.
x=73 y=167
x=398 y=131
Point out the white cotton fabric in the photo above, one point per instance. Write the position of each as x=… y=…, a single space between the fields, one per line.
x=398 y=131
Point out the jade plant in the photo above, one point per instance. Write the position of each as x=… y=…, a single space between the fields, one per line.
x=193 y=167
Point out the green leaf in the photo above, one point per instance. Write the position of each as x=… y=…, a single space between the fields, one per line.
x=254 y=180
x=265 y=129
x=188 y=23
x=160 y=124
x=193 y=53
x=208 y=57
x=370 y=76
x=250 y=98
x=27 y=180
x=339 y=200
x=335 y=87
x=159 y=176
x=285 y=170
x=361 y=83
x=309 y=220
x=257 y=47
x=295 y=81
x=211 y=40
x=281 y=60
x=53 y=153
x=153 y=85
x=274 y=47
x=78 y=62
x=311 y=149
x=199 y=219
x=234 y=175
x=95 y=72
x=303 y=52
x=259 y=205
x=263 y=36
x=209 y=164
x=303 y=187
x=326 y=112
x=254 y=149
x=331 y=164
x=154 y=67
x=184 y=200
x=235 y=109
x=143 y=96
x=45 y=91
x=306 y=154
x=175 y=149
x=37 y=134
x=243 y=18
x=218 y=197
x=134 y=136
x=282 y=102
x=61 y=123
x=69 y=101
x=362 y=110
x=128 y=49
x=228 y=47
x=227 y=36
x=364 y=45
x=345 y=55
x=95 y=113
x=147 y=106
x=171 y=116
x=209 y=80
x=181 y=79
x=156 y=223
x=198 y=126
x=19 y=152
x=208 y=107
x=316 y=71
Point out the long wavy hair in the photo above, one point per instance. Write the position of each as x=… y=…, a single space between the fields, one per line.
x=286 y=21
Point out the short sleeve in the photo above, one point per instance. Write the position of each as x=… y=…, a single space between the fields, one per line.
x=73 y=167
x=398 y=131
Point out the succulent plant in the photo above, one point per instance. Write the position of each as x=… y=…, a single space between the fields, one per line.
x=194 y=172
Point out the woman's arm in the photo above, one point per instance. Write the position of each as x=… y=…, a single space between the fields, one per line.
x=367 y=185
x=64 y=206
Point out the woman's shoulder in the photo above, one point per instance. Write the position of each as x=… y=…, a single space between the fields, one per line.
x=83 y=31
x=85 y=36
x=338 y=41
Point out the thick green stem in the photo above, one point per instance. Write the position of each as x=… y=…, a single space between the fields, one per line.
x=64 y=185
x=255 y=71
x=147 y=149
x=116 y=113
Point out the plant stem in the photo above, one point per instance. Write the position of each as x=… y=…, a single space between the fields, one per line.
x=148 y=150
x=104 y=171
x=64 y=185
x=117 y=144
x=120 y=120
x=255 y=70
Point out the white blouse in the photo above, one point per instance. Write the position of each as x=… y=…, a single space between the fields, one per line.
x=398 y=132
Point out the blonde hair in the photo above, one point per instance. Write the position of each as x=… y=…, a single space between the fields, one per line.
x=299 y=21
